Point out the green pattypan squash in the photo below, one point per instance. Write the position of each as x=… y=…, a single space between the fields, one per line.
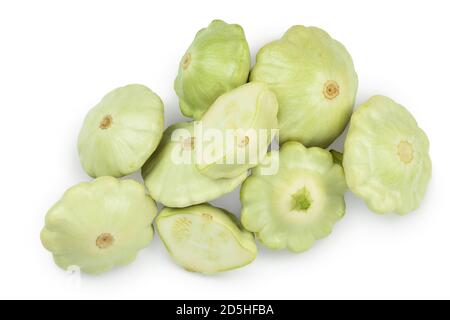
x=98 y=225
x=246 y=120
x=205 y=239
x=386 y=158
x=172 y=177
x=121 y=132
x=217 y=61
x=297 y=204
x=315 y=83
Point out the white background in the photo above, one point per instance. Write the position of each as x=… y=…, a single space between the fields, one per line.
x=58 y=58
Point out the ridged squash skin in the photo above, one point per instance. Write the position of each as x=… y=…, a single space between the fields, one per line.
x=98 y=225
x=217 y=61
x=315 y=82
x=386 y=157
x=250 y=113
x=300 y=203
x=205 y=239
x=176 y=183
x=121 y=132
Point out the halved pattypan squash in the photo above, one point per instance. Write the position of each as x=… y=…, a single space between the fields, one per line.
x=237 y=130
x=172 y=177
x=217 y=61
x=205 y=239
x=386 y=158
x=121 y=132
x=315 y=82
x=298 y=204
x=98 y=225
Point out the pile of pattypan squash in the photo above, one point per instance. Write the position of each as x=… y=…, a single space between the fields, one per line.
x=301 y=92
